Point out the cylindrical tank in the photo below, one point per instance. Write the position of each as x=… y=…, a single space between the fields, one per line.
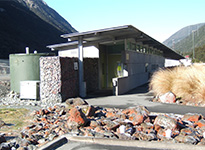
x=24 y=67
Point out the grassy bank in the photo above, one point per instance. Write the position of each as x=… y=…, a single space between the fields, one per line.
x=14 y=119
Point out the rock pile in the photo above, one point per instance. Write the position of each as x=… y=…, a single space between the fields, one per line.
x=13 y=99
x=79 y=118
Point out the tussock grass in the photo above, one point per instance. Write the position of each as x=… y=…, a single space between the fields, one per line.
x=185 y=82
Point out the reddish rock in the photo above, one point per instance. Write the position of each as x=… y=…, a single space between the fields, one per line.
x=201 y=123
x=99 y=129
x=131 y=124
x=110 y=114
x=191 y=117
x=43 y=112
x=157 y=127
x=138 y=119
x=186 y=131
x=202 y=142
x=168 y=97
x=147 y=126
x=139 y=128
x=61 y=132
x=76 y=118
x=166 y=122
x=94 y=123
x=161 y=133
x=136 y=114
x=46 y=133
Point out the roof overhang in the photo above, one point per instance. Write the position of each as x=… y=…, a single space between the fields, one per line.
x=113 y=35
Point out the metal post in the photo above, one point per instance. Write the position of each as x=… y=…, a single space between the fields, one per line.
x=193 y=34
x=81 y=73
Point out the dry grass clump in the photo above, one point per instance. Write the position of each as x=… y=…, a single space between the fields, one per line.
x=15 y=119
x=185 y=82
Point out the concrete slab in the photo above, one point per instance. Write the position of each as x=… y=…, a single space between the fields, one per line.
x=87 y=143
x=141 y=96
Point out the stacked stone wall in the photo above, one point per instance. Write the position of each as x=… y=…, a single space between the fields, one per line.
x=59 y=78
x=50 y=77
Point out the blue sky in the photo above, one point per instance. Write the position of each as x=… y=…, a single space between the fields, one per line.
x=157 y=18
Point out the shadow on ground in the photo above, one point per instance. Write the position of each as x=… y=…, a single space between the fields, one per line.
x=143 y=89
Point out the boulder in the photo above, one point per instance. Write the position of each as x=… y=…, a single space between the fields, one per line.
x=186 y=139
x=136 y=114
x=193 y=117
x=70 y=103
x=76 y=118
x=168 y=97
x=201 y=123
x=166 y=122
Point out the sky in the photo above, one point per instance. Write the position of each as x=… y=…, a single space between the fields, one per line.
x=157 y=18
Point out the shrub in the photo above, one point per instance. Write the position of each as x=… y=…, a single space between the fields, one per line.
x=185 y=82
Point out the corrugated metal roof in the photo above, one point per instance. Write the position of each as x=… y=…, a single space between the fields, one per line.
x=114 y=34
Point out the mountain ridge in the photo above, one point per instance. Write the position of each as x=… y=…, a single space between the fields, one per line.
x=181 y=35
x=41 y=9
x=191 y=42
x=20 y=27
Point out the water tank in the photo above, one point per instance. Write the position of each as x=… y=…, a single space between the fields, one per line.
x=24 y=67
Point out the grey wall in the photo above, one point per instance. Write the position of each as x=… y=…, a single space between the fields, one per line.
x=137 y=73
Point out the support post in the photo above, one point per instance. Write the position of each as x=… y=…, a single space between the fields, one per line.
x=82 y=92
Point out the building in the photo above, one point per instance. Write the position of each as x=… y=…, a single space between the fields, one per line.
x=127 y=56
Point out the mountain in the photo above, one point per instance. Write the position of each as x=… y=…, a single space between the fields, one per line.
x=29 y=23
x=180 y=35
x=41 y=9
x=196 y=39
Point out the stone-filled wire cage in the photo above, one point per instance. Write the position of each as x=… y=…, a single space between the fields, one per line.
x=59 y=77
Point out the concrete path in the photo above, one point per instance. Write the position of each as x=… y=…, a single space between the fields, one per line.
x=141 y=96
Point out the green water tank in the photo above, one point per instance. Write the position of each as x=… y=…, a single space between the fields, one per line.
x=24 y=67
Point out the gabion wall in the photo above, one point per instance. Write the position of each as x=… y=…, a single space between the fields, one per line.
x=59 y=78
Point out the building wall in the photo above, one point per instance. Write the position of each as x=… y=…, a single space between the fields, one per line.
x=142 y=62
x=139 y=66
x=88 y=52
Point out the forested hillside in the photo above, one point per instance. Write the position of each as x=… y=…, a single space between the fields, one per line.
x=193 y=43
